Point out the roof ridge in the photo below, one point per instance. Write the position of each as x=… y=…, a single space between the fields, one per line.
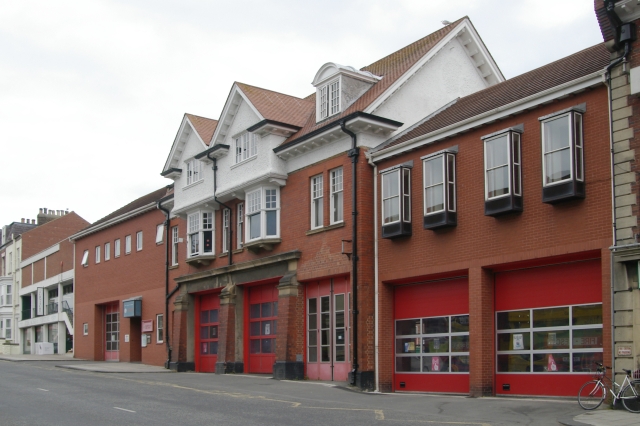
x=200 y=116
x=269 y=90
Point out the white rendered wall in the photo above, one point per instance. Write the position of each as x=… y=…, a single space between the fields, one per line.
x=184 y=195
x=448 y=75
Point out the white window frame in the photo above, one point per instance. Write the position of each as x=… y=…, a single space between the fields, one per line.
x=240 y=226
x=97 y=254
x=160 y=234
x=85 y=329
x=197 y=230
x=7 y=328
x=194 y=171
x=8 y=295
x=159 y=328
x=575 y=147
x=261 y=209
x=513 y=165
x=317 y=201
x=328 y=99
x=246 y=146
x=139 y=241
x=116 y=248
x=447 y=183
x=85 y=258
x=107 y=251
x=336 y=177
x=402 y=197
x=175 y=240
x=226 y=223
x=127 y=244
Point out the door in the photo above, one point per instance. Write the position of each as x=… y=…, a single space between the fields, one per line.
x=112 y=332
x=263 y=324
x=207 y=337
x=328 y=329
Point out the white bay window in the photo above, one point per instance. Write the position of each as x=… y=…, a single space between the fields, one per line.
x=396 y=202
x=200 y=233
x=263 y=214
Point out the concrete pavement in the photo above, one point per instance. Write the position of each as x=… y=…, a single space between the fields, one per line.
x=604 y=416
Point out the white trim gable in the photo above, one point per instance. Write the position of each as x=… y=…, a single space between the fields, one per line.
x=475 y=49
x=231 y=107
x=182 y=137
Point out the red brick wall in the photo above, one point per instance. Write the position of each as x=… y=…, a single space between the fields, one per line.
x=38 y=270
x=140 y=273
x=480 y=243
x=41 y=237
x=60 y=261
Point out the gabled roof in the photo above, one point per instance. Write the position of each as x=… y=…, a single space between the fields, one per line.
x=205 y=127
x=392 y=68
x=278 y=106
x=565 y=70
x=139 y=206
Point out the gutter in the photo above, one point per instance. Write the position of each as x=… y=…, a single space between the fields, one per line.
x=167 y=223
x=353 y=153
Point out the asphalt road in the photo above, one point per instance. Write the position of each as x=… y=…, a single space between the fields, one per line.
x=39 y=393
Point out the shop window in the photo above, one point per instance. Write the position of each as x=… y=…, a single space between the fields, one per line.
x=396 y=202
x=502 y=172
x=439 y=174
x=549 y=340
x=432 y=345
x=562 y=155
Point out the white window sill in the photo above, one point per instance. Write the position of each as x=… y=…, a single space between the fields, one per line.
x=262 y=244
x=191 y=185
x=244 y=162
x=201 y=259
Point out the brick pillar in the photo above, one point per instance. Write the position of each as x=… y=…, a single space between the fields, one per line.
x=179 y=338
x=227 y=362
x=481 y=332
x=290 y=338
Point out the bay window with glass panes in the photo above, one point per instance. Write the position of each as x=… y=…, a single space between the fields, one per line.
x=262 y=214
x=439 y=174
x=200 y=234
x=562 y=156
x=503 y=173
x=432 y=344
x=563 y=339
x=396 y=202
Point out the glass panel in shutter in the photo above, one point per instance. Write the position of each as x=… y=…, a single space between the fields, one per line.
x=204 y=332
x=408 y=345
x=589 y=338
x=435 y=325
x=436 y=364
x=255 y=310
x=213 y=332
x=213 y=348
x=459 y=343
x=408 y=364
x=460 y=324
x=587 y=314
x=408 y=327
x=513 y=320
x=213 y=315
x=514 y=341
x=435 y=344
x=255 y=346
x=556 y=339
x=460 y=364
x=266 y=309
x=551 y=317
x=340 y=353
x=516 y=363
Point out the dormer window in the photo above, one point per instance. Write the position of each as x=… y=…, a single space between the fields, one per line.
x=329 y=99
x=246 y=146
x=193 y=171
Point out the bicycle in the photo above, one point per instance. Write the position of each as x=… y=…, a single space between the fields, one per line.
x=592 y=393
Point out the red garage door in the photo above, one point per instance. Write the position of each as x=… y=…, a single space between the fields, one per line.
x=548 y=328
x=263 y=324
x=432 y=337
x=207 y=332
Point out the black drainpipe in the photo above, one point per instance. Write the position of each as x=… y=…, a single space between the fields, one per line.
x=166 y=285
x=215 y=198
x=353 y=153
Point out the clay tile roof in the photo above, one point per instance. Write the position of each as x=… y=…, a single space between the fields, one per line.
x=277 y=106
x=152 y=197
x=391 y=68
x=204 y=126
x=567 y=69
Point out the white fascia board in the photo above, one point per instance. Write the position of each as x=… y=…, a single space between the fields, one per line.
x=51 y=281
x=532 y=101
x=265 y=179
x=235 y=91
x=195 y=205
x=177 y=141
x=44 y=253
x=114 y=221
x=464 y=25
x=46 y=319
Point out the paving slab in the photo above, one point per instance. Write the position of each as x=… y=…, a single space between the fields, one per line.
x=604 y=416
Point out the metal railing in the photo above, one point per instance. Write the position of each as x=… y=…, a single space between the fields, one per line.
x=52 y=308
x=68 y=310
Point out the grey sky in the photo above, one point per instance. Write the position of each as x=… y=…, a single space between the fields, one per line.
x=92 y=92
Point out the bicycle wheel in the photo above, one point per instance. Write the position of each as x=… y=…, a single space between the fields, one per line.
x=631 y=397
x=591 y=395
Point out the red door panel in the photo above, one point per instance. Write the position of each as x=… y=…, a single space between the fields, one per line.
x=207 y=332
x=263 y=323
